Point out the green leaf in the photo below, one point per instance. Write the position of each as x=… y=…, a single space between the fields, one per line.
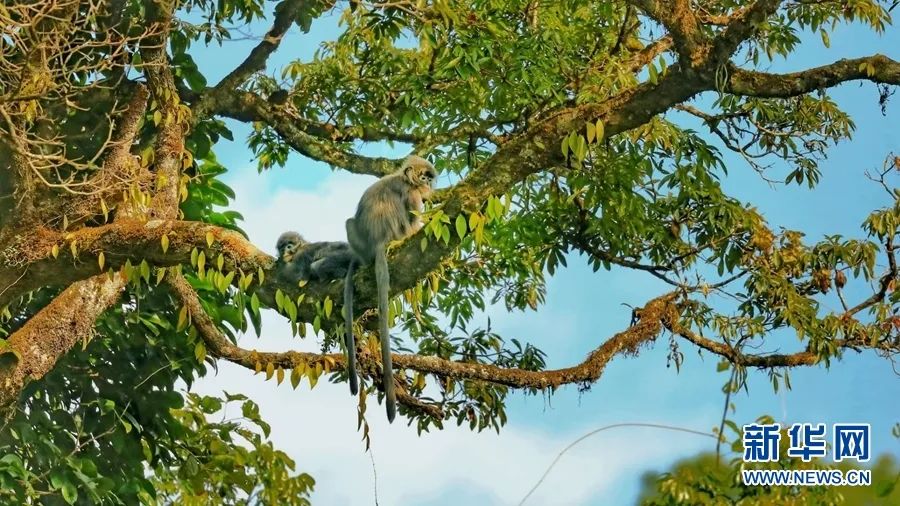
x=460 y=226
x=254 y=303
x=145 y=271
x=69 y=492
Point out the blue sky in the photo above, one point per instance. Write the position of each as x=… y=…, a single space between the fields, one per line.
x=458 y=467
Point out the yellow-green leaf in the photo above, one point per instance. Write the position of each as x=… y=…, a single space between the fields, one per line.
x=145 y=270
x=270 y=370
x=182 y=318
x=460 y=226
x=296 y=376
x=164 y=242
x=200 y=351
x=101 y=260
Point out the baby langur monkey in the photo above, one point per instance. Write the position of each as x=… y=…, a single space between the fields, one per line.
x=316 y=261
x=384 y=214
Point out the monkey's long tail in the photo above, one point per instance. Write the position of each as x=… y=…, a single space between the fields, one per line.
x=349 y=341
x=383 y=280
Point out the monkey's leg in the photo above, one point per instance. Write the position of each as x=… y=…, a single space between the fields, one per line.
x=349 y=341
x=383 y=280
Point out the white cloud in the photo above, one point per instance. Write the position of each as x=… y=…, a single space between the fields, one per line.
x=317 y=214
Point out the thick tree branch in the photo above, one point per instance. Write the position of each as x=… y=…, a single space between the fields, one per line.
x=170 y=139
x=246 y=106
x=877 y=68
x=33 y=350
x=643 y=57
x=125 y=239
x=677 y=17
x=285 y=14
x=745 y=21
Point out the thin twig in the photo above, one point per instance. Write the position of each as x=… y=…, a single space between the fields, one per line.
x=601 y=429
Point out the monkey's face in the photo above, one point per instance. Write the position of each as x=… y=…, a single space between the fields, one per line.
x=287 y=253
x=421 y=175
x=288 y=244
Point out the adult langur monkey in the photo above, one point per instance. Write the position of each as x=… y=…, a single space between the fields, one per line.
x=384 y=214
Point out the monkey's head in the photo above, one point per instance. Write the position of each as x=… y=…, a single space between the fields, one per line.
x=288 y=244
x=419 y=171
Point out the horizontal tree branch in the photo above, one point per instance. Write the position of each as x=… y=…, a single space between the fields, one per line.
x=876 y=68
x=248 y=106
x=649 y=323
x=30 y=263
x=801 y=358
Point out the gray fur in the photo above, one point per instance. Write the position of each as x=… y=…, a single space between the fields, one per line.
x=384 y=214
x=316 y=261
